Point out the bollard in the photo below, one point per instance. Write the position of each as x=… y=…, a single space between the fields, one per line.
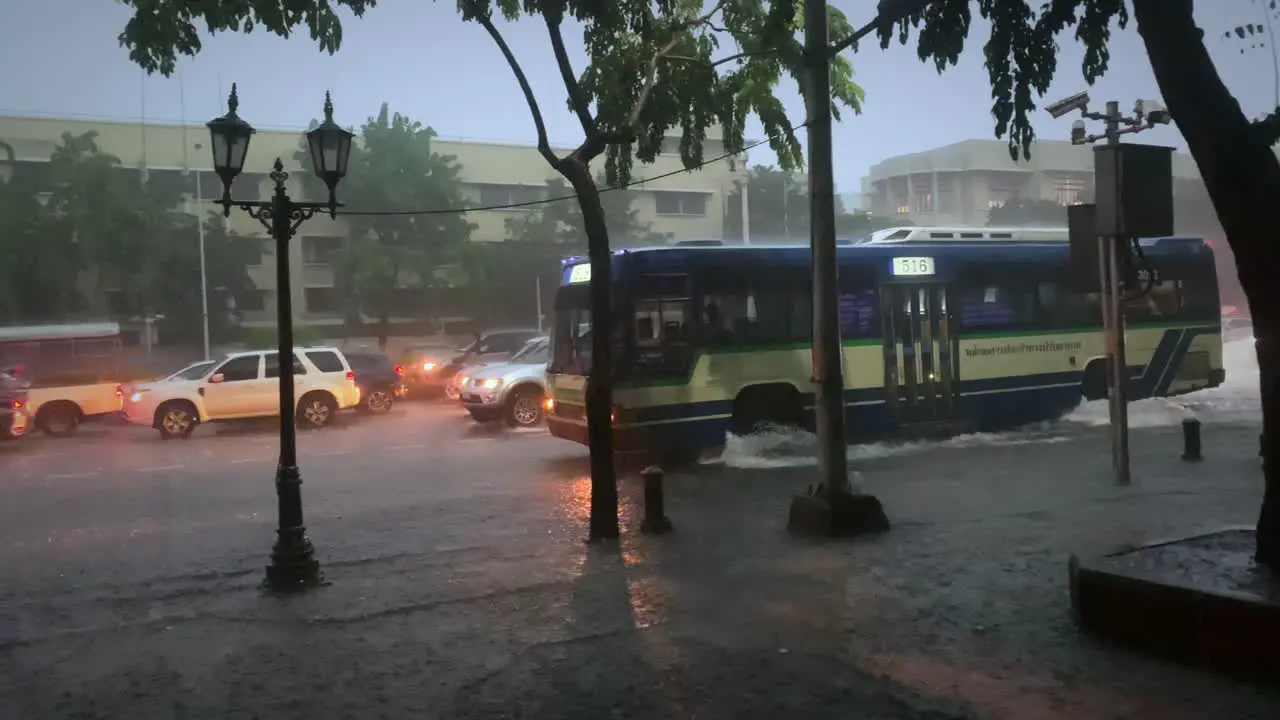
x=655 y=514
x=1191 y=440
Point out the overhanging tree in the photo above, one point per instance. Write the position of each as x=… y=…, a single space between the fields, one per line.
x=389 y=257
x=652 y=68
x=1235 y=154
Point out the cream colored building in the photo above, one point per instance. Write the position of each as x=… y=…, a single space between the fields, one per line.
x=687 y=204
x=958 y=184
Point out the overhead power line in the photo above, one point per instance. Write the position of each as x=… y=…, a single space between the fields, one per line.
x=562 y=198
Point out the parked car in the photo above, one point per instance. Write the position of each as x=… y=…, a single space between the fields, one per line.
x=436 y=372
x=245 y=385
x=512 y=391
x=13 y=407
x=381 y=381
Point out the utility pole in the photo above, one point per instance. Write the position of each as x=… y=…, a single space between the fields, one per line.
x=828 y=373
x=1113 y=249
x=746 y=210
x=204 y=276
x=832 y=509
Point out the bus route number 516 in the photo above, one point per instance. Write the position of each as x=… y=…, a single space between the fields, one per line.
x=912 y=266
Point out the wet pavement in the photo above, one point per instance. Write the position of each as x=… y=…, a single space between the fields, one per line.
x=461 y=586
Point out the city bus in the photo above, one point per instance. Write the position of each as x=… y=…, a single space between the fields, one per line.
x=941 y=336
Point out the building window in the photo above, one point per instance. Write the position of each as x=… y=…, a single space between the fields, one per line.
x=320 y=250
x=904 y=210
x=946 y=194
x=251 y=301
x=320 y=299
x=246 y=186
x=496 y=195
x=681 y=203
x=265 y=247
x=1068 y=192
x=924 y=202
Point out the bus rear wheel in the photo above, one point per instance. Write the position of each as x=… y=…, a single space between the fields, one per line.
x=1094 y=384
x=760 y=406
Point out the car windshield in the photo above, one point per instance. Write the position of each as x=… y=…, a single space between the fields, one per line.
x=534 y=352
x=193 y=372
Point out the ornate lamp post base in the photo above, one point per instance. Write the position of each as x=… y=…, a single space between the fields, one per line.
x=293 y=568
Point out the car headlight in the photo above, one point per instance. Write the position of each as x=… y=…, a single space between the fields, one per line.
x=136 y=397
x=491 y=384
x=428 y=365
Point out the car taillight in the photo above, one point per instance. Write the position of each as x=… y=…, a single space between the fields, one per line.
x=399 y=369
x=351 y=376
x=119 y=391
x=17 y=404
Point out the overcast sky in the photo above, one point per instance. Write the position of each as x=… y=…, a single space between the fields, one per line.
x=61 y=57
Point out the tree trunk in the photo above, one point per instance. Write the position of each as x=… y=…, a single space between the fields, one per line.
x=1242 y=176
x=599 y=391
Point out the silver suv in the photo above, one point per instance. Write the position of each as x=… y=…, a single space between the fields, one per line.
x=513 y=391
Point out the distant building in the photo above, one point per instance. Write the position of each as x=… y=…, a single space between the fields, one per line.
x=958 y=184
x=689 y=204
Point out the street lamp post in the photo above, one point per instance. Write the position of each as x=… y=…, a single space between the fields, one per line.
x=293 y=564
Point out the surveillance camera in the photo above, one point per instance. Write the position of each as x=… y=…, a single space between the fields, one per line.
x=1159 y=117
x=1079 y=101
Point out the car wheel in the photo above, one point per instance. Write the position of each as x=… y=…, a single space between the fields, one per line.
x=524 y=409
x=59 y=418
x=316 y=411
x=378 y=401
x=176 y=420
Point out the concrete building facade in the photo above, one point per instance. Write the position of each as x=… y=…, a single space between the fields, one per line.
x=958 y=184
x=686 y=204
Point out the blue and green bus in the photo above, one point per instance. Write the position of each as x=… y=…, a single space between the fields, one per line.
x=943 y=333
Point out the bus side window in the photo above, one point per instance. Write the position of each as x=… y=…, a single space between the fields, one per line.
x=1061 y=308
x=800 y=324
x=993 y=306
x=1162 y=303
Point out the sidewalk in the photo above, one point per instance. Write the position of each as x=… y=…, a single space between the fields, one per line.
x=491 y=607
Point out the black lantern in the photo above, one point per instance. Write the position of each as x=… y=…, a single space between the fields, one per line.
x=330 y=146
x=229 y=137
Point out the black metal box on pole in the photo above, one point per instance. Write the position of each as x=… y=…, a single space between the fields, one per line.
x=1082 y=232
x=1134 y=190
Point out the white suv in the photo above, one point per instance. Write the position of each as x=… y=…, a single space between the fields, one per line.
x=245 y=385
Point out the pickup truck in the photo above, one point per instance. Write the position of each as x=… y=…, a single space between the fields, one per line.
x=70 y=370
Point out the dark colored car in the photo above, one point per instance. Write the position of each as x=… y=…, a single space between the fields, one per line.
x=430 y=370
x=380 y=381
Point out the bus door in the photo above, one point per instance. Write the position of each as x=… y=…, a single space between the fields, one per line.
x=919 y=351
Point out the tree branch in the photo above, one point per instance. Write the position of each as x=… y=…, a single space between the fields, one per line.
x=596 y=141
x=576 y=100
x=1268 y=128
x=544 y=145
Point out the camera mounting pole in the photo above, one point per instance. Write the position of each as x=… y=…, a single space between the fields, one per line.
x=1117 y=225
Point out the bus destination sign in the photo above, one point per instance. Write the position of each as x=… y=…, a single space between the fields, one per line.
x=912 y=266
x=579 y=274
